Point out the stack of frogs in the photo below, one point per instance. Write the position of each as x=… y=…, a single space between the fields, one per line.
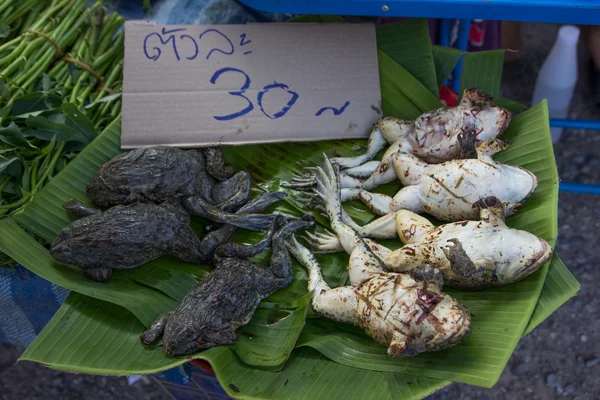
x=444 y=161
x=149 y=195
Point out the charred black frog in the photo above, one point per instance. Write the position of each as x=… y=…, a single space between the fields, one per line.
x=211 y=312
x=163 y=173
x=123 y=237
x=128 y=236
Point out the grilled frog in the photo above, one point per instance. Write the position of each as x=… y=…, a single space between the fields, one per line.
x=163 y=173
x=407 y=312
x=447 y=191
x=469 y=254
x=211 y=312
x=437 y=136
x=124 y=237
x=128 y=236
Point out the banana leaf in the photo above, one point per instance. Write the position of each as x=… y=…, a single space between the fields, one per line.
x=560 y=285
x=307 y=375
x=445 y=60
x=501 y=315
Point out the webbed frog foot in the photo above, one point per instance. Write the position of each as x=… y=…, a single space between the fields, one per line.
x=324 y=242
x=305 y=181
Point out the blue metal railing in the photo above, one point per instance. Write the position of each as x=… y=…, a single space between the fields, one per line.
x=575 y=124
x=582 y=12
x=462 y=44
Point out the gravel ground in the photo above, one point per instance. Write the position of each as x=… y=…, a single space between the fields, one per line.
x=559 y=359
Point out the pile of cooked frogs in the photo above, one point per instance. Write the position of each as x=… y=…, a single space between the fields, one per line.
x=150 y=195
x=444 y=160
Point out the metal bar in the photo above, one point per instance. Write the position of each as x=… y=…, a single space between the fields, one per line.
x=571 y=187
x=462 y=43
x=580 y=12
x=445 y=28
x=575 y=124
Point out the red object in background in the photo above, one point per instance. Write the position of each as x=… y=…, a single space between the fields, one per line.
x=203 y=365
x=448 y=96
x=477 y=35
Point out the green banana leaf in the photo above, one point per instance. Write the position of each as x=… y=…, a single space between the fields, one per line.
x=501 y=315
x=408 y=44
x=308 y=374
x=445 y=59
x=560 y=285
x=482 y=70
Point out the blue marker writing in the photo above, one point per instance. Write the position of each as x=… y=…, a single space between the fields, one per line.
x=242 y=43
x=239 y=93
x=195 y=45
x=335 y=111
x=286 y=108
x=215 y=49
x=157 y=51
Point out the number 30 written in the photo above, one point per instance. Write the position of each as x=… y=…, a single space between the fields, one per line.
x=259 y=98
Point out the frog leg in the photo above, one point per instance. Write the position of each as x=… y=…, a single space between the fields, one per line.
x=472 y=97
x=245 y=251
x=364 y=170
x=329 y=243
x=408 y=198
x=375 y=144
x=382 y=175
x=337 y=304
x=324 y=242
x=487 y=149
x=492 y=210
x=387 y=170
x=408 y=168
x=220 y=236
x=411 y=227
x=98 y=274
x=156 y=329
x=215 y=164
x=231 y=194
x=415 y=255
x=280 y=263
x=395 y=129
x=195 y=205
x=380 y=228
x=80 y=210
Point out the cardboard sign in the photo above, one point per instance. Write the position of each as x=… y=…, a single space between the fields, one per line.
x=194 y=86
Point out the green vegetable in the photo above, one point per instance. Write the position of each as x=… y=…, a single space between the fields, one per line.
x=61 y=67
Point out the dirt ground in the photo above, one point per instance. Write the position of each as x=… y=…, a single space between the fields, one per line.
x=558 y=360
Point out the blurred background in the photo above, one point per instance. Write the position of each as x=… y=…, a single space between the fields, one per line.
x=559 y=359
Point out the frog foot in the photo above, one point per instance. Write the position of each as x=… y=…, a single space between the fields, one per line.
x=324 y=242
x=303 y=182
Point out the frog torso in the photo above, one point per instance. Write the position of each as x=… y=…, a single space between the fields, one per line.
x=391 y=304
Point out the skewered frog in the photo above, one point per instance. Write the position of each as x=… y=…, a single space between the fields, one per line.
x=211 y=312
x=446 y=191
x=469 y=254
x=437 y=136
x=163 y=173
x=407 y=312
x=128 y=236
